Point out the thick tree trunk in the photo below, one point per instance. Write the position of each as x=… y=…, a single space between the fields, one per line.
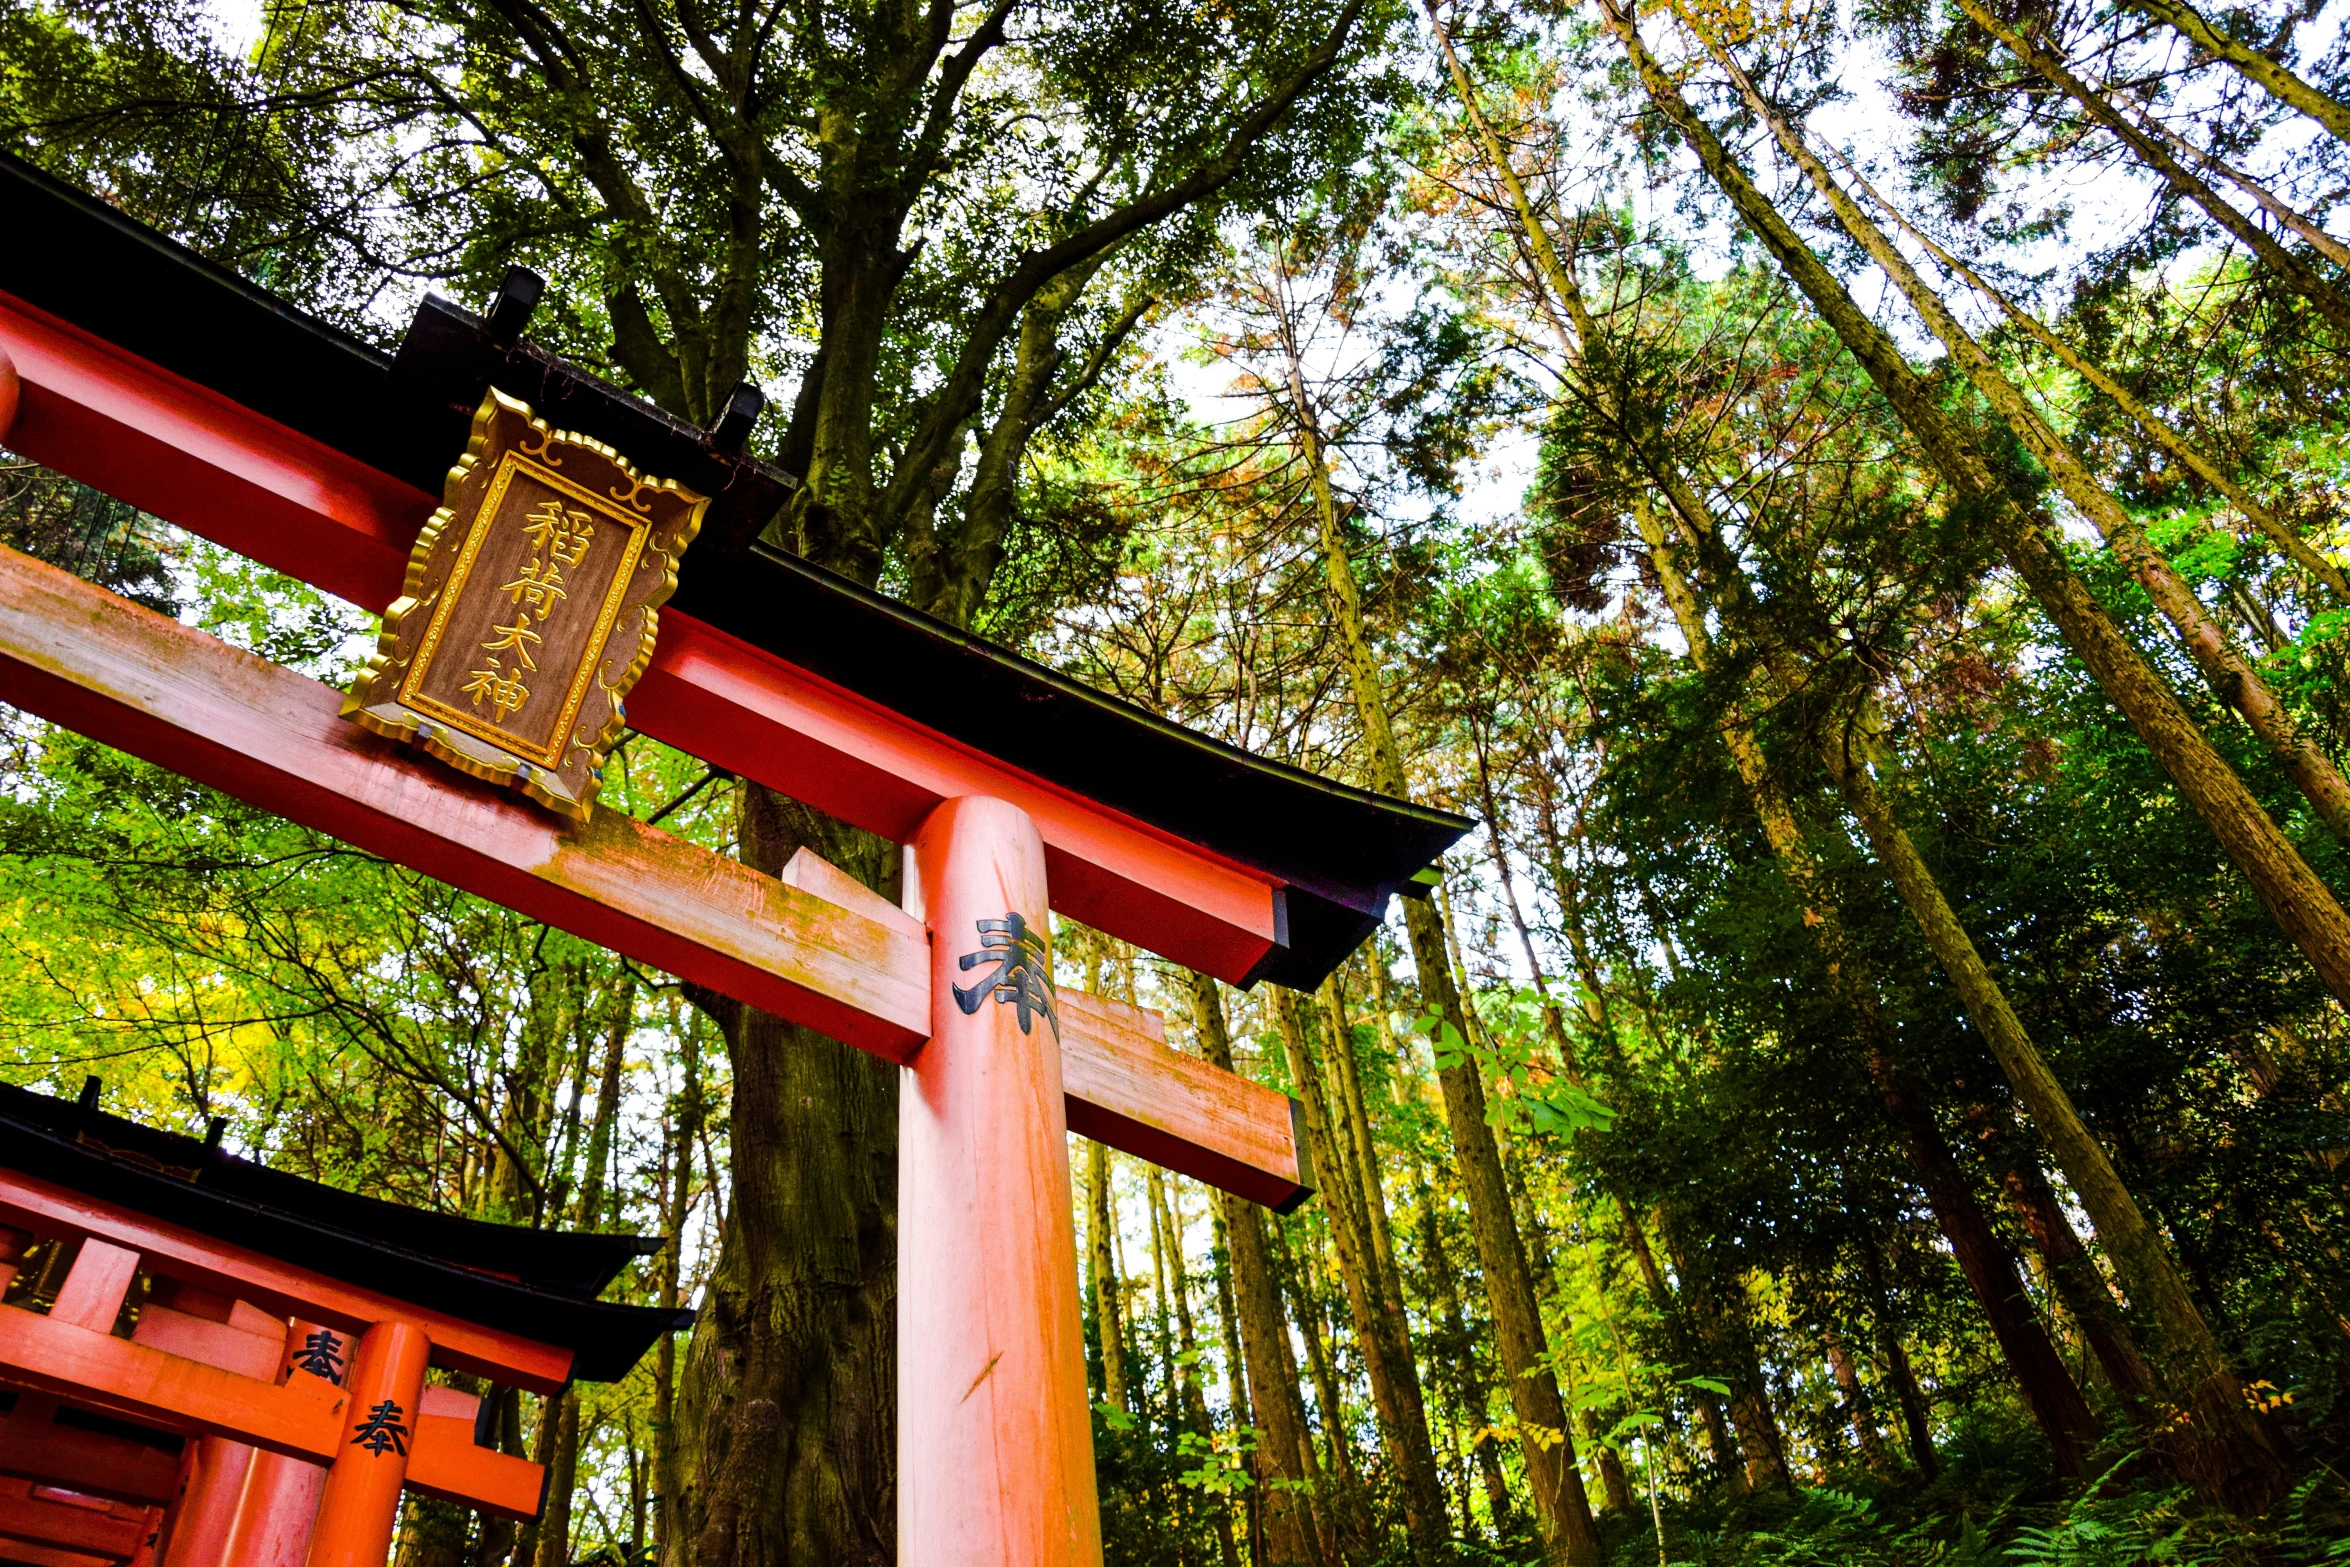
x=1294 y=1530
x=789 y=1391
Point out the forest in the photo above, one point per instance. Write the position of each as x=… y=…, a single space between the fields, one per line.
x=1853 y=498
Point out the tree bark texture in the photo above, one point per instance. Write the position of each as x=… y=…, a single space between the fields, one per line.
x=1101 y=1270
x=1296 y=1531
x=788 y=1398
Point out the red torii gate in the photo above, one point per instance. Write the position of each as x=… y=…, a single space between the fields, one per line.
x=267 y=1318
x=132 y=365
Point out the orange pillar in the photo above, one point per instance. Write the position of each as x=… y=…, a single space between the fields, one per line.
x=281 y=1494
x=361 y=1500
x=995 y=1443
x=206 y=1508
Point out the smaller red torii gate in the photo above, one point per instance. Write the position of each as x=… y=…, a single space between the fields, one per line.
x=136 y=367
x=214 y=1364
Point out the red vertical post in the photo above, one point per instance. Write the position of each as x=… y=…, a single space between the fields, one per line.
x=995 y=1442
x=280 y=1503
x=362 y=1496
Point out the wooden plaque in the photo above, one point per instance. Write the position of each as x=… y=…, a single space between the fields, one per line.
x=529 y=609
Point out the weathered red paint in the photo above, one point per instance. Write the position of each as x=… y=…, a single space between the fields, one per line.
x=995 y=1443
x=815 y=947
x=192 y=457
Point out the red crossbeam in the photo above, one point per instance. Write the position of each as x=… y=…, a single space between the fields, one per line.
x=222 y=471
x=857 y=968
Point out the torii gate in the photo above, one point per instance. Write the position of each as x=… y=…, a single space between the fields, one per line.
x=129 y=363
x=268 y=1404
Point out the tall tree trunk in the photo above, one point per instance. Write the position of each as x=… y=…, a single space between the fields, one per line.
x=1561 y=1509
x=2300 y=903
x=1387 y=1356
x=2228 y=1452
x=1469 y=1390
x=1236 y=1378
x=2280 y=83
x=1857 y=1409
x=554 y=1526
x=2297 y=274
x=685 y=1132
x=1719 y=1443
x=2071 y=1269
x=2048 y=1389
x=2229 y=674
x=1916 y=1429
x=1351 y=1107
x=1294 y=1530
x=1101 y=1266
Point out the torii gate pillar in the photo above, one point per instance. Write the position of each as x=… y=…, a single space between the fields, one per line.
x=995 y=1440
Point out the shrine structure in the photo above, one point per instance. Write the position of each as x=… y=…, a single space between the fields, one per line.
x=206 y=1362
x=555 y=560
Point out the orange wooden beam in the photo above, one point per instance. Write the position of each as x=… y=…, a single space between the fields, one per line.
x=855 y=969
x=120 y=673
x=101 y=1530
x=277 y=1287
x=301 y=1418
x=218 y=469
x=102 y=1465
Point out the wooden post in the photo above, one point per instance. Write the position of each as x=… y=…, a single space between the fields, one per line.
x=362 y=1496
x=995 y=1442
x=280 y=1503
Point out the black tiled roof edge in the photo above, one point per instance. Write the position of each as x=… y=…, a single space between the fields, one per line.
x=183 y=1181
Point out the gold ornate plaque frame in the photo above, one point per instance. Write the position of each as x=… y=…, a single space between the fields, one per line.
x=558 y=535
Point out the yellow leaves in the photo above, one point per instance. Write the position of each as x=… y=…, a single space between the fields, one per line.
x=1543 y=1437
x=2264 y=1397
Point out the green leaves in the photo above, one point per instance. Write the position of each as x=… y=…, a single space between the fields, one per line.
x=1525 y=1090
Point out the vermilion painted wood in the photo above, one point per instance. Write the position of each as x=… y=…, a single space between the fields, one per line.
x=141 y=681
x=101 y=1530
x=995 y=1441
x=49 y=1556
x=146 y=1385
x=34 y=1448
x=362 y=1498
x=817 y=952
x=281 y=1493
x=217 y=469
x=1128 y=1089
x=446 y=1465
x=94 y=1287
x=206 y=1509
x=276 y=1286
